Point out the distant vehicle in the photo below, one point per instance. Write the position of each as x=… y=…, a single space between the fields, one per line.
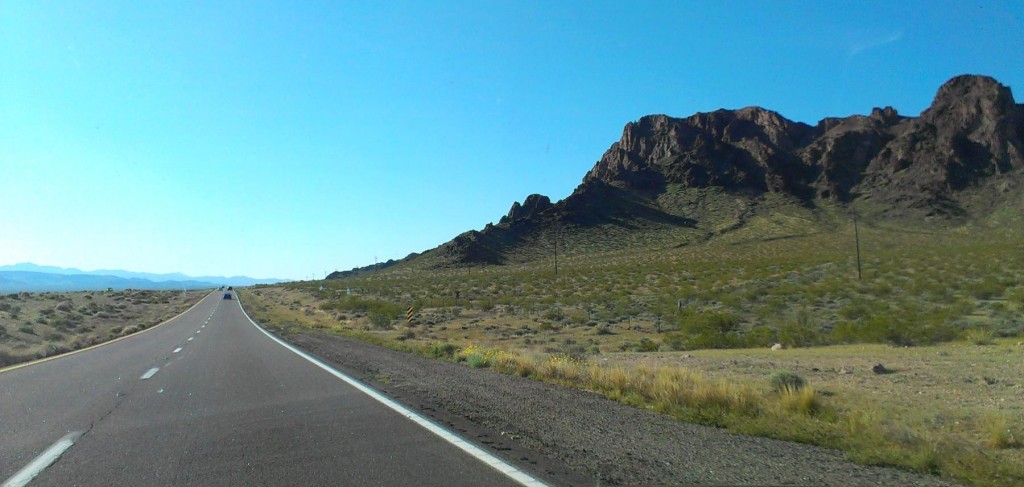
x=230 y=288
x=227 y=295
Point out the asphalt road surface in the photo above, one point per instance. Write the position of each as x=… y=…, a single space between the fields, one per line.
x=210 y=399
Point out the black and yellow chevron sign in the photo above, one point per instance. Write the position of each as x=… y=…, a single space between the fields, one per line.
x=410 y=313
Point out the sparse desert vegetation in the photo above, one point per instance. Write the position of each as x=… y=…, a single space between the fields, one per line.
x=39 y=325
x=687 y=330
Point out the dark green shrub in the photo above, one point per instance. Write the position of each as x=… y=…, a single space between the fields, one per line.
x=675 y=341
x=988 y=288
x=443 y=350
x=760 y=336
x=8 y=358
x=713 y=339
x=799 y=334
x=784 y=380
x=647 y=345
x=380 y=320
x=718 y=322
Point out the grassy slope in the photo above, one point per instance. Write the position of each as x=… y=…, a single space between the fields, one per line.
x=629 y=323
x=37 y=325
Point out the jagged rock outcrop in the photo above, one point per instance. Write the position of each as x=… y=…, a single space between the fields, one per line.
x=972 y=130
x=533 y=205
x=843 y=148
x=475 y=248
x=750 y=148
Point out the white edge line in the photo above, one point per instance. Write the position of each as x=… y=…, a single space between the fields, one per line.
x=176 y=350
x=45 y=459
x=485 y=457
x=149 y=373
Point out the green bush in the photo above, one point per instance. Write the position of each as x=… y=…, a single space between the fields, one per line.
x=979 y=336
x=478 y=360
x=786 y=381
x=799 y=334
x=902 y=328
x=713 y=339
x=647 y=345
x=707 y=330
x=717 y=322
x=380 y=320
x=554 y=314
x=1016 y=296
x=443 y=350
x=486 y=303
x=675 y=341
x=365 y=305
x=760 y=336
x=988 y=288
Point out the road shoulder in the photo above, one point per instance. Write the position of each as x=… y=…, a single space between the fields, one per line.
x=576 y=438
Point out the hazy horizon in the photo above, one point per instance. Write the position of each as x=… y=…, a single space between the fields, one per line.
x=6 y=267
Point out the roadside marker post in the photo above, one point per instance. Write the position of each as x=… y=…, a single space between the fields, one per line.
x=410 y=314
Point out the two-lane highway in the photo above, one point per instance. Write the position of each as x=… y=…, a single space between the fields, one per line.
x=211 y=399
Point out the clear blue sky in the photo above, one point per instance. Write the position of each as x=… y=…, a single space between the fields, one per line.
x=285 y=139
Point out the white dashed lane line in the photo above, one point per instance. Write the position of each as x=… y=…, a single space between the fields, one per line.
x=52 y=454
x=191 y=338
x=45 y=459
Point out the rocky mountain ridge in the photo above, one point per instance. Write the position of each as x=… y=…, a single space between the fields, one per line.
x=973 y=129
x=896 y=166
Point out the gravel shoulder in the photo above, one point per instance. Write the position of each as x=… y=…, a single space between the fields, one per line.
x=573 y=437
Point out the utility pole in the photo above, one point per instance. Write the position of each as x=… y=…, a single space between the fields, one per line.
x=856 y=236
x=556 y=249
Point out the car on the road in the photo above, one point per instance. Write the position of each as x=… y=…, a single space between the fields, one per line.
x=227 y=295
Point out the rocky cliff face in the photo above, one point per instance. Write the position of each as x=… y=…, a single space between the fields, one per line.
x=972 y=130
x=751 y=147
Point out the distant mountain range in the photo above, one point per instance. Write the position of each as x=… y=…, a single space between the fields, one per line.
x=36 y=278
x=673 y=181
